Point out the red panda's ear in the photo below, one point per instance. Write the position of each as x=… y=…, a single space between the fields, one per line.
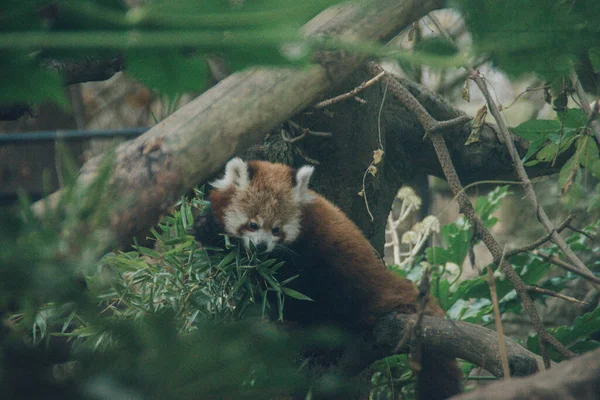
x=301 y=181
x=236 y=175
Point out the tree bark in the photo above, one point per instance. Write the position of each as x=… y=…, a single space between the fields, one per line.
x=470 y=342
x=455 y=339
x=577 y=378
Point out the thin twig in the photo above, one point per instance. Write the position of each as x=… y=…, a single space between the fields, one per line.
x=372 y=168
x=305 y=132
x=307 y=158
x=556 y=294
x=352 y=93
x=534 y=245
x=581 y=232
x=498 y=319
x=560 y=263
x=466 y=207
x=585 y=104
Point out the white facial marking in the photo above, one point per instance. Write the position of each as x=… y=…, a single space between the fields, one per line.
x=234 y=219
x=301 y=193
x=261 y=236
x=236 y=174
x=291 y=230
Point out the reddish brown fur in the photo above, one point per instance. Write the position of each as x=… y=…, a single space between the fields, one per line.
x=348 y=250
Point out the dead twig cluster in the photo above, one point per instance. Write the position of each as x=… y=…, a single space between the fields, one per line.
x=302 y=133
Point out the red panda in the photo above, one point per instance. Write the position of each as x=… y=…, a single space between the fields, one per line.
x=271 y=206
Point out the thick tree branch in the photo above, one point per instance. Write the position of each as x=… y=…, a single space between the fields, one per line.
x=463 y=340
x=578 y=378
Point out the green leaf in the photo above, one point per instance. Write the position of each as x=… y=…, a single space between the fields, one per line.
x=595 y=200
x=536 y=129
x=295 y=294
x=594 y=55
x=90 y=15
x=24 y=81
x=534 y=146
x=168 y=71
x=486 y=206
x=470 y=288
x=437 y=46
x=594 y=168
x=588 y=153
x=581 y=329
x=567 y=170
x=573 y=118
x=439 y=291
x=551 y=150
x=556 y=33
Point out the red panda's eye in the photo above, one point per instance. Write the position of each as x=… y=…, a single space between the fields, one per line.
x=275 y=230
x=252 y=226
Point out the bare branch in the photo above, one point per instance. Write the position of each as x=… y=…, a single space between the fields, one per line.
x=564 y=265
x=581 y=232
x=401 y=93
x=557 y=295
x=414 y=326
x=534 y=245
x=352 y=93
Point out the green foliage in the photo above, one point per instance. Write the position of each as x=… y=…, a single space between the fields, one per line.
x=392 y=375
x=165 y=44
x=458 y=236
x=568 y=135
x=177 y=276
x=575 y=337
x=39 y=85
x=540 y=36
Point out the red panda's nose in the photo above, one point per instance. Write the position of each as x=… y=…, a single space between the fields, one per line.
x=261 y=247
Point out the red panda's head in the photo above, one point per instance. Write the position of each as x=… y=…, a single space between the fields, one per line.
x=261 y=202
